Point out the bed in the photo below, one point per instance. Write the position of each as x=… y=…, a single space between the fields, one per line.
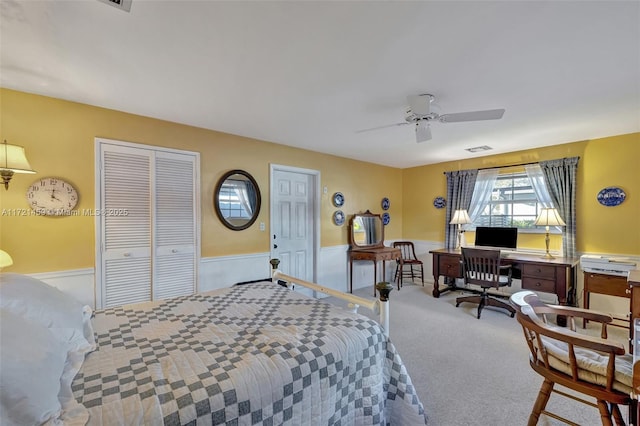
x=256 y=353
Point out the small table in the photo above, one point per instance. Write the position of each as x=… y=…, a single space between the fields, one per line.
x=376 y=255
x=610 y=285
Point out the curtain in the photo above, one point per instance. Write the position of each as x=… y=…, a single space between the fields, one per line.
x=482 y=192
x=240 y=188
x=459 y=192
x=560 y=177
x=534 y=172
x=369 y=224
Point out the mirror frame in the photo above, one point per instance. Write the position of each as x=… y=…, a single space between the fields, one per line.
x=216 y=204
x=352 y=242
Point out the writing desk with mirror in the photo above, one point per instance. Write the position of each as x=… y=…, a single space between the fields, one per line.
x=366 y=242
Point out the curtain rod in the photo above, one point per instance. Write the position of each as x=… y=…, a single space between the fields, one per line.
x=512 y=165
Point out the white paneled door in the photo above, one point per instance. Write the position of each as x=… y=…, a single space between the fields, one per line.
x=147 y=230
x=294 y=219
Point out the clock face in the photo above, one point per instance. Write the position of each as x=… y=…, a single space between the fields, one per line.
x=52 y=196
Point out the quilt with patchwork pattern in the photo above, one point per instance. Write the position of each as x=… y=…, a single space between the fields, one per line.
x=250 y=354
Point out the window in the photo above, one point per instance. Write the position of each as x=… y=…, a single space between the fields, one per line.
x=512 y=202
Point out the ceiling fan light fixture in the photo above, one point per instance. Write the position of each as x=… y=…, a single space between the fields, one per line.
x=423 y=131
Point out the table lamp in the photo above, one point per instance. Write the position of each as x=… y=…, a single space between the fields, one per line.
x=5 y=259
x=549 y=217
x=460 y=217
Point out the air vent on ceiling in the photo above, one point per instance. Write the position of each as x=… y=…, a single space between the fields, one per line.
x=120 y=4
x=479 y=148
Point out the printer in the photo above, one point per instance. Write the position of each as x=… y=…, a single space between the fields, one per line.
x=607 y=265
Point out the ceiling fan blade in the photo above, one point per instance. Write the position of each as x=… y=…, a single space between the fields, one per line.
x=423 y=131
x=490 y=114
x=420 y=104
x=381 y=127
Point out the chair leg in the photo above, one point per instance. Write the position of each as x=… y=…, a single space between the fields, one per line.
x=541 y=402
x=605 y=414
x=481 y=305
x=411 y=273
x=617 y=415
x=422 y=275
x=500 y=304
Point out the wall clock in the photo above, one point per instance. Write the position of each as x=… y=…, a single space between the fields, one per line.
x=52 y=196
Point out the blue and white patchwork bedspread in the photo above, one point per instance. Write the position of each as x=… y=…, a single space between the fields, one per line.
x=250 y=354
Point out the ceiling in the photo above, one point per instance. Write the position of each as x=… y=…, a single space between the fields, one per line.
x=313 y=74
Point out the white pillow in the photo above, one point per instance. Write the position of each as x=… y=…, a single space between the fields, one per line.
x=33 y=299
x=67 y=320
x=33 y=361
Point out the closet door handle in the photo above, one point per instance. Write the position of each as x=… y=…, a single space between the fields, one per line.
x=275 y=246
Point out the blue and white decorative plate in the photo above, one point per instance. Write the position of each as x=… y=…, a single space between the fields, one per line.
x=338 y=199
x=386 y=218
x=386 y=203
x=338 y=217
x=611 y=196
x=439 y=202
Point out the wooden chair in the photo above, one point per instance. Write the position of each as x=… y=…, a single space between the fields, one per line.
x=482 y=267
x=588 y=365
x=408 y=259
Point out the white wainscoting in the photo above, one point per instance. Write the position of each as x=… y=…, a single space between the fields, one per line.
x=333 y=272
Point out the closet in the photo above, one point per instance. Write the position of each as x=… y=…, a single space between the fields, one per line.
x=147 y=222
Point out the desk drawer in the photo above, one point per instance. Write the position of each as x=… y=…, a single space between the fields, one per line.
x=539 y=271
x=606 y=284
x=538 y=284
x=449 y=266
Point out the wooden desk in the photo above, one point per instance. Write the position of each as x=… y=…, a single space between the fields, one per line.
x=611 y=285
x=537 y=273
x=378 y=254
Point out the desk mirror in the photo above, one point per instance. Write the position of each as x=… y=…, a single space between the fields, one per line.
x=237 y=200
x=366 y=230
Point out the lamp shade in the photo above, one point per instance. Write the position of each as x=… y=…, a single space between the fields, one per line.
x=5 y=259
x=460 y=217
x=549 y=217
x=12 y=158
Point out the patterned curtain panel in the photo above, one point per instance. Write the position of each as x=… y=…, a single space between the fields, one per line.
x=459 y=192
x=560 y=176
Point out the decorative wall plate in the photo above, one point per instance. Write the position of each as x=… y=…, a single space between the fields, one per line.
x=611 y=196
x=386 y=218
x=386 y=203
x=338 y=217
x=439 y=202
x=338 y=199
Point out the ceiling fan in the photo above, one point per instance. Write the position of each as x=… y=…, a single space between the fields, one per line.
x=419 y=112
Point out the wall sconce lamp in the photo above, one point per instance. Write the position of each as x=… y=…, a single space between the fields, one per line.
x=12 y=160
x=5 y=259
x=460 y=217
x=549 y=217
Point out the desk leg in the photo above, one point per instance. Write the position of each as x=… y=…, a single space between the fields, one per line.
x=350 y=275
x=436 y=286
x=375 y=276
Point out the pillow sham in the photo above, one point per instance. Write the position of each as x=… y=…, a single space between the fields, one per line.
x=33 y=299
x=66 y=319
x=33 y=361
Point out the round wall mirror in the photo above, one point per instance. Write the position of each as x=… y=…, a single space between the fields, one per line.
x=237 y=200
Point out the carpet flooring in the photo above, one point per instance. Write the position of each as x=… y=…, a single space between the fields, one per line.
x=470 y=371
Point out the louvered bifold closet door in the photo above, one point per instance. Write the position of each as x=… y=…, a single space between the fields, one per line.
x=175 y=225
x=126 y=219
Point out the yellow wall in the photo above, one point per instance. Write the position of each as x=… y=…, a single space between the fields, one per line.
x=611 y=161
x=59 y=140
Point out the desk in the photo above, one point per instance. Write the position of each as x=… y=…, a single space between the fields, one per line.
x=537 y=273
x=376 y=255
x=611 y=285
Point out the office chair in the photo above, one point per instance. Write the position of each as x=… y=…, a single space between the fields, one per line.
x=482 y=267
x=408 y=259
x=586 y=364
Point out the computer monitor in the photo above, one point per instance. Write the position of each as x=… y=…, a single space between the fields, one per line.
x=496 y=237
